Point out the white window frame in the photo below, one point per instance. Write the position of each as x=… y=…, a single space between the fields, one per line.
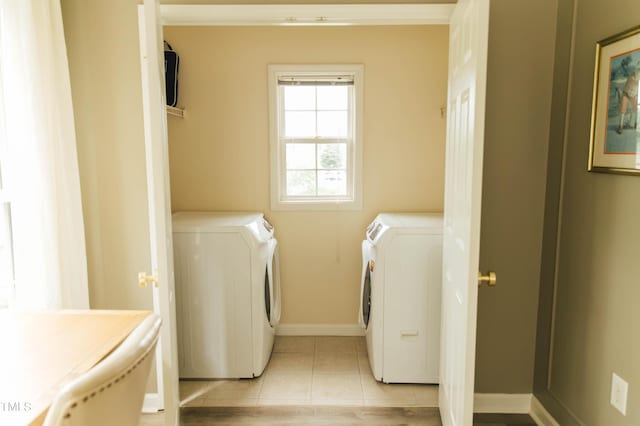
x=279 y=200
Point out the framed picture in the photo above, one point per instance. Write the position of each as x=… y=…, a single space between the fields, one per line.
x=615 y=129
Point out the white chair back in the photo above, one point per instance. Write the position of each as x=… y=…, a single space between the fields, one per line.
x=112 y=392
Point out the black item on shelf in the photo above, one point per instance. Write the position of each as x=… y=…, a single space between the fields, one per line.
x=171 y=65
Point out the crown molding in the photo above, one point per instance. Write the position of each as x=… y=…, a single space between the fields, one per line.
x=307 y=14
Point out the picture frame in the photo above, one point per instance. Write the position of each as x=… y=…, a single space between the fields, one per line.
x=615 y=125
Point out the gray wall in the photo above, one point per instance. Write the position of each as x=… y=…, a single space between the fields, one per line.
x=596 y=316
x=552 y=202
x=520 y=75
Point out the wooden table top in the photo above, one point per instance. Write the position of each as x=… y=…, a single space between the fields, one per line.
x=43 y=351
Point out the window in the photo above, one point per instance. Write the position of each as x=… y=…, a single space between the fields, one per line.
x=316 y=136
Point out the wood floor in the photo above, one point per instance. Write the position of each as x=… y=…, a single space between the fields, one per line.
x=315 y=381
x=310 y=415
x=316 y=416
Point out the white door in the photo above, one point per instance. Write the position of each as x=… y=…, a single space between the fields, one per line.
x=468 y=37
x=157 y=162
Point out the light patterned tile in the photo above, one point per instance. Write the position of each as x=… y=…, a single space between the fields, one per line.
x=363 y=363
x=191 y=389
x=338 y=344
x=304 y=344
x=291 y=361
x=398 y=394
x=426 y=395
x=234 y=389
x=336 y=387
x=361 y=345
x=336 y=363
x=321 y=371
x=286 y=385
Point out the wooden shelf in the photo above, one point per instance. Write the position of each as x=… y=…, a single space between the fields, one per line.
x=177 y=112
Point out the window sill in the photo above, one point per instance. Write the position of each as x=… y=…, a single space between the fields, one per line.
x=316 y=205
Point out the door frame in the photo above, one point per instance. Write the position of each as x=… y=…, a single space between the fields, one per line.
x=159 y=212
x=284 y=15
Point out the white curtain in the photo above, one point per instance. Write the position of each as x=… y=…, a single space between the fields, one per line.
x=42 y=172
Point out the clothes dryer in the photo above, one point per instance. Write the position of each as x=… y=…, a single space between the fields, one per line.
x=401 y=296
x=227 y=293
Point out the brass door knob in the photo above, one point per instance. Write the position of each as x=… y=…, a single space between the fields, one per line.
x=490 y=278
x=144 y=279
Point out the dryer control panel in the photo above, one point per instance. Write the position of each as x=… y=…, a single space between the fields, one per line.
x=373 y=230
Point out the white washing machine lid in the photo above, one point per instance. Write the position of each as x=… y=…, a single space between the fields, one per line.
x=411 y=220
x=418 y=223
x=213 y=222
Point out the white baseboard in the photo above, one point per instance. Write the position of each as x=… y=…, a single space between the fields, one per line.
x=502 y=403
x=523 y=403
x=540 y=415
x=319 y=330
x=152 y=403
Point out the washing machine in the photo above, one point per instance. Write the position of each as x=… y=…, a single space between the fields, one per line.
x=227 y=293
x=401 y=296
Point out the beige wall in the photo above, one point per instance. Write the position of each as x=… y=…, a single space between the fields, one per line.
x=104 y=62
x=597 y=291
x=520 y=74
x=219 y=153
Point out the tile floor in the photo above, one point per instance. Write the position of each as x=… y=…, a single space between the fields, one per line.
x=310 y=371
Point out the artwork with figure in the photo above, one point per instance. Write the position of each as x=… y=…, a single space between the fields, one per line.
x=614 y=146
x=622 y=131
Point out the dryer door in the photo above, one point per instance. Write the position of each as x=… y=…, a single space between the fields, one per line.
x=273 y=281
x=365 y=287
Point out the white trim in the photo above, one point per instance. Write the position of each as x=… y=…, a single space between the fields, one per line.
x=319 y=330
x=502 y=403
x=354 y=168
x=158 y=197
x=307 y=14
x=519 y=403
x=540 y=415
x=152 y=403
